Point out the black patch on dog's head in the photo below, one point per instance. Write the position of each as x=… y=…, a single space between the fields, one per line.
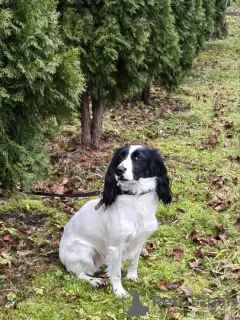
x=141 y=160
x=111 y=189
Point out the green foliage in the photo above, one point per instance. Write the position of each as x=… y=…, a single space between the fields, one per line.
x=112 y=39
x=220 y=12
x=209 y=12
x=195 y=21
x=163 y=53
x=189 y=22
x=40 y=83
x=214 y=11
x=199 y=24
x=122 y=47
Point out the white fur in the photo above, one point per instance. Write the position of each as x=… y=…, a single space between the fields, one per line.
x=143 y=185
x=127 y=163
x=93 y=238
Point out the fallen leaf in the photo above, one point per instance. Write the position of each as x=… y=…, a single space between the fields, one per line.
x=194 y=234
x=237 y=158
x=198 y=253
x=210 y=240
x=207 y=240
x=188 y=293
x=177 y=253
x=223 y=235
x=22 y=254
x=65 y=180
x=229 y=275
x=206 y=290
x=58 y=291
x=218 y=205
x=228 y=124
x=195 y=264
x=175 y=285
x=200 y=177
x=151 y=245
x=171 y=312
x=237 y=223
x=227 y=143
x=235 y=180
x=183 y=210
x=56 y=242
x=8 y=238
x=6 y=259
x=213 y=284
x=216 y=273
x=144 y=253
x=192 y=308
x=162 y=286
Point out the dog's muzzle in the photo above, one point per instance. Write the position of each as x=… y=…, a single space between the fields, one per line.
x=120 y=172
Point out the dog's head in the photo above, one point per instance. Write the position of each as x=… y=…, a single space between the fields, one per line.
x=136 y=169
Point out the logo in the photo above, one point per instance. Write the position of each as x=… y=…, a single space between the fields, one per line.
x=137 y=308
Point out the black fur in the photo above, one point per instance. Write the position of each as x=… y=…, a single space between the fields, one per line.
x=163 y=184
x=111 y=190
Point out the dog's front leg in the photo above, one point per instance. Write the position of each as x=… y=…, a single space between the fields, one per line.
x=133 y=265
x=114 y=271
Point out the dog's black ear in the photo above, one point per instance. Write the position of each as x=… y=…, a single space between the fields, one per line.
x=163 y=184
x=111 y=189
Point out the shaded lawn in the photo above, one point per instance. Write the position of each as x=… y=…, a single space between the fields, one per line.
x=198 y=131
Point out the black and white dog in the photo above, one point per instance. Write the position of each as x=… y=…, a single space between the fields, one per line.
x=115 y=228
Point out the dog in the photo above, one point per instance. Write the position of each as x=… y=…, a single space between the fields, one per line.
x=107 y=231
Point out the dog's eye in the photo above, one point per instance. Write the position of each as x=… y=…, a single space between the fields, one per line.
x=138 y=157
x=120 y=157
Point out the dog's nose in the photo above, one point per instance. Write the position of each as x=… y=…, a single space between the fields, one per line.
x=120 y=170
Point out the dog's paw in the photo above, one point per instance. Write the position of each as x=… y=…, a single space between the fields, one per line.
x=132 y=277
x=98 y=282
x=121 y=293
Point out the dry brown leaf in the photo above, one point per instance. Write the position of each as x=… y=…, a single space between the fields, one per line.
x=144 y=253
x=177 y=253
x=194 y=264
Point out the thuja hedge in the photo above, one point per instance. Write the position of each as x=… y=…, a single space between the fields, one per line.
x=121 y=46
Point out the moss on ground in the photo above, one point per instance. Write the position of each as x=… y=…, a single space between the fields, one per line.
x=201 y=145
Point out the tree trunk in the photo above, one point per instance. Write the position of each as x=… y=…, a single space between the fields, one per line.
x=97 y=119
x=146 y=95
x=85 y=120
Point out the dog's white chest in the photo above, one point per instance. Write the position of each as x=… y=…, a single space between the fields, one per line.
x=142 y=228
x=137 y=221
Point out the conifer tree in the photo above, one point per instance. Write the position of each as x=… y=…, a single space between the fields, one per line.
x=199 y=23
x=209 y=14
x=40 y=82
x=111 y=37
x=188 y=22
x=195 y=21
x=162 y=56
x=123 y=45
x=220 y=12
x=214 y=11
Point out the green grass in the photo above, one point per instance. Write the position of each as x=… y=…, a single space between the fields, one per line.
x=54 y=294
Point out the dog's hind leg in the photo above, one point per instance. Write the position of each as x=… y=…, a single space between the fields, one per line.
x=84 y=262
x=96 y=282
